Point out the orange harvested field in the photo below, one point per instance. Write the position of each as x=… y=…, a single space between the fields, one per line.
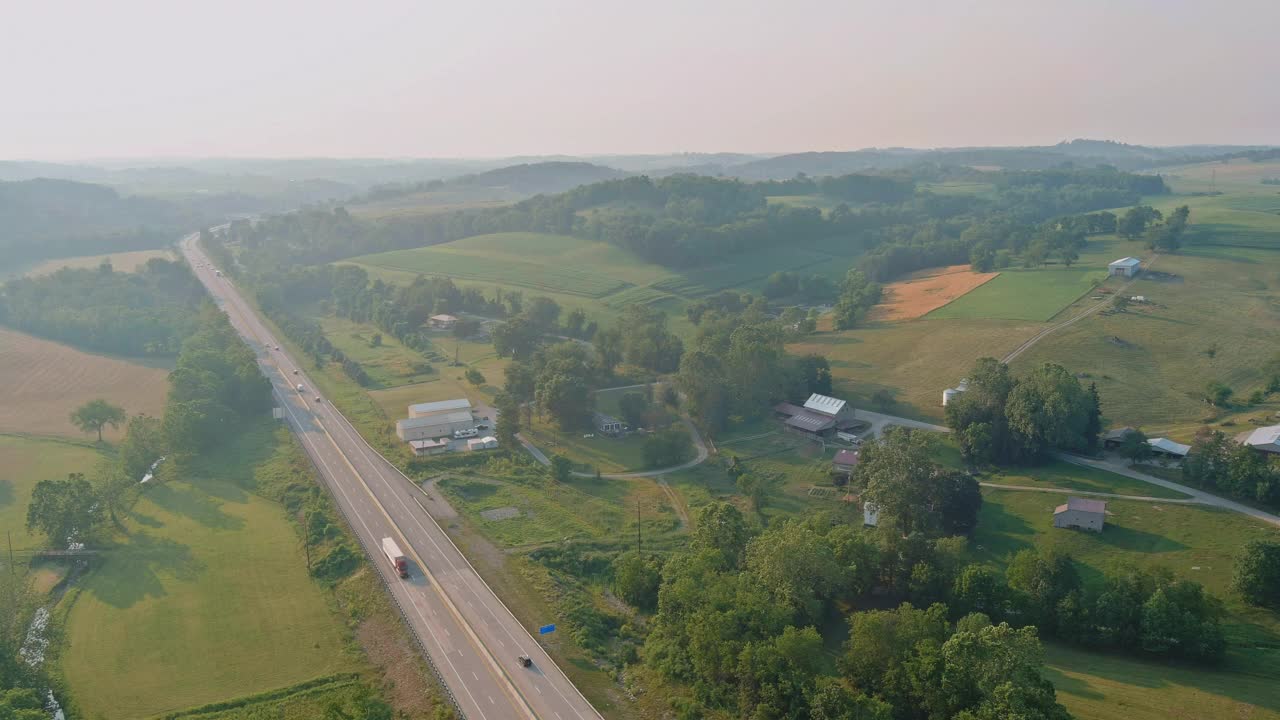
x=925 y=291
x=43 y=381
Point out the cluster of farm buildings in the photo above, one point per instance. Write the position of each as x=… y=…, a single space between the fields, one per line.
x=445 y=426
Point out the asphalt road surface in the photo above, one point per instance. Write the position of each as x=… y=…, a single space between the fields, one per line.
x=470 y=636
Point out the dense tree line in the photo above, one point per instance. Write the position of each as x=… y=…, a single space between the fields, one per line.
x=1219 y=464
x=149 y=312
x=1002 y=418
x=1142 y=611
x=46 y=218
x=737 y=613
x=215 y=387
x=687 y=220
x=738 y=367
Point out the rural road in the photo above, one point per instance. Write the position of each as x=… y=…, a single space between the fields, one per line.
x=471 y=638
x=1013 y=355
x=1120 y=467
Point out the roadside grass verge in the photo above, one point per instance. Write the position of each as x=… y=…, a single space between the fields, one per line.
x=389 y=364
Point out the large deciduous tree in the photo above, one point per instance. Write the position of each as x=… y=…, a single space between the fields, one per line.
x=63 y=509
x=97 y=414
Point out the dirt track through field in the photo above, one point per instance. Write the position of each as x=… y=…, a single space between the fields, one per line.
x=926 y=291
x=41 y=382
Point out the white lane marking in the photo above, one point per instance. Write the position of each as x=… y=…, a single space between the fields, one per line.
x=475 y=677
x=535 y=687
x=373 y=461
x=307 y=440
x=258 y=329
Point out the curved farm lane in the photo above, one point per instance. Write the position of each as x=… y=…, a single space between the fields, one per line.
x=1013 y=355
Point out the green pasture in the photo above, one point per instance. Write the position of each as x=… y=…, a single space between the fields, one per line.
x=1096 y=686
x=1196 y=542
x=1213 y=313
x=25 y=461
x=1067 y=476
x=390 y=363
x=1035 y=295
x=204 y=597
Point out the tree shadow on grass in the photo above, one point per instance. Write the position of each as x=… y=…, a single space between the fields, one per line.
x=6 y=492
x=1071 y=685
x=136 y=570
x=145 y=520
x=1138 y=541
x=195 y=504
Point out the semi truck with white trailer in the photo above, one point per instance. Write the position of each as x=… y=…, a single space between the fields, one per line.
x=397 y=559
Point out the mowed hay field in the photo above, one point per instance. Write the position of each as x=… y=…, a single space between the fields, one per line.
x=45 y=381
x=121 y=261
x=1213 y=314
x=207 y=600
x=25 y=462
x=915 y=361
x=925 y=291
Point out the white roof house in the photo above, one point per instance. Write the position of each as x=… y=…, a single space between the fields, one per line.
x=434 y=426
x=1081 y=513
x=1265 y=439
x=1125 y=262
x=1169 y=447
x=431 y=408
x=825 y=405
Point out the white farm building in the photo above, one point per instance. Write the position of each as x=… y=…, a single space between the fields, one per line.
x=1125 y=267
x=1081 y=514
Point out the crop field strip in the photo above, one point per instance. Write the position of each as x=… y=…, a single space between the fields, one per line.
x=428 y=261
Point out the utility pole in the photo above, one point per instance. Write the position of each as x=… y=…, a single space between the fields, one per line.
x=10 y=534
x=457 y=348
x=637 y=527
x=306 y=539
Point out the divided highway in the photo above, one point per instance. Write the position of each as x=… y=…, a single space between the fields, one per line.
x=470 y=636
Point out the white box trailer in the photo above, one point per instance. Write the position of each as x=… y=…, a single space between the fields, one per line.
x=397 y=559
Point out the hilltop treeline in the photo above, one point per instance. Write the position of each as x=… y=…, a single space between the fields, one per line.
x=149 y=312
x=59 y=218
x=686 y=220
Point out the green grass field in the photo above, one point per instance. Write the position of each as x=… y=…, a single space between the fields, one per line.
x=388 y=365
x=1196 y=542
x=26 y=461
x=1094 y=686
x=1066 y=476
x=915 y=361
x=1022 y=295
x=206 y=597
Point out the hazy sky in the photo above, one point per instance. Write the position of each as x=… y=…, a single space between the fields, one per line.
x=434 y=79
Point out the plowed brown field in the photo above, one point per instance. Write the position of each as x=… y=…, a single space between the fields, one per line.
x=925 y=291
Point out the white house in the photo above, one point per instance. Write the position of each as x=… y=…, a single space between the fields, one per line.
x=1081 y=513
x=1124 y=267
x=870 y=514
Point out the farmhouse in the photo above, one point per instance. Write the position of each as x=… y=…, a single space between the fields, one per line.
x=1165 y=447
x=1125 y=267
x=607 y=425
x=1081 y=514
x=433 y=408
x=820 y=416
x=442 y=322
x=1263 y=439
x=1113 y=439
x=845 y=461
